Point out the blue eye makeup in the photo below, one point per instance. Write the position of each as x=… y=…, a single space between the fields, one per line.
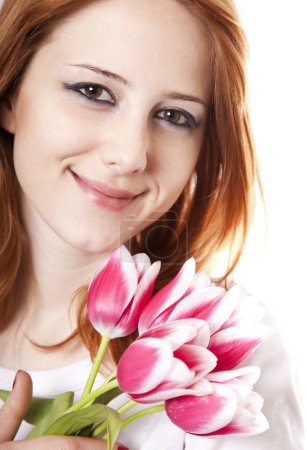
x=178 y=117
x=99 y=94
x=93 y=92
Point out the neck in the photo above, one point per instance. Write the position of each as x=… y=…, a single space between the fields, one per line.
x=56 y=274
x=46 y=313
x=52 y=271
x=55 y=271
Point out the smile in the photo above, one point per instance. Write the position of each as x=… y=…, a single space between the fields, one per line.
x=103 y=195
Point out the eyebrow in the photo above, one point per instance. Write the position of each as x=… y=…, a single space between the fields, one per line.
x=116 y=77
x=104 y=72
x=186 y=97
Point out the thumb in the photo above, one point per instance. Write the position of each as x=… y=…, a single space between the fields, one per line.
x=16 y=406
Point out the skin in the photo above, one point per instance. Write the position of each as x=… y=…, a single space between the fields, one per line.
x=131 y=140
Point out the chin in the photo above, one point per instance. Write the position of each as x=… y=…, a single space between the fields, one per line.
x=91 y=244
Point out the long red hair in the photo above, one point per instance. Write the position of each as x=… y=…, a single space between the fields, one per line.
x=215 y=208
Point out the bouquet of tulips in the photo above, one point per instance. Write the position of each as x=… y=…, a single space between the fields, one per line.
x=193 y=335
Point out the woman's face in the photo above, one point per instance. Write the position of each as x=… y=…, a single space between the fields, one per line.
x=115 y=100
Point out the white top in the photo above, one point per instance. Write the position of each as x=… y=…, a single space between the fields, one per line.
x=276 y=385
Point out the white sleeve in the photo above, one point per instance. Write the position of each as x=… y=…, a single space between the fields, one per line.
x=279 y=388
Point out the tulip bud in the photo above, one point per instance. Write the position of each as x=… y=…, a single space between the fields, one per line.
x=119 y=291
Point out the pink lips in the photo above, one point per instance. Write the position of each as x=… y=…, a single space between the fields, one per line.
x=103 y=195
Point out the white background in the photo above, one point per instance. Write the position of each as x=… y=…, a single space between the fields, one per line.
x=274 y=265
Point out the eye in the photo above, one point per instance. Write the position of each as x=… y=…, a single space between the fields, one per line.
x=92 y=91
x=178 y=117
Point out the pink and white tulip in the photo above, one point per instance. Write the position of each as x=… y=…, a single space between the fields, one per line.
x=233 y=316
x=167 y=361
x=233 y=408
x=186 y=288
x=241 y=333
x=119 y=291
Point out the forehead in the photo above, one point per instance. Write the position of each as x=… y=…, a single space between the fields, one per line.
x=158 y=39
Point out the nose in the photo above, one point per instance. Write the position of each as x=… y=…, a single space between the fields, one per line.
x=126 y=149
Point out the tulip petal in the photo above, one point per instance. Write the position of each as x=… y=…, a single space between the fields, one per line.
x=130 y=317
x=144 y=365
x=198 y=359
x=142 y=263
x=103 y=290
x=178 y=377
x=233 y=345
x=201 y=279
x=259 y=425
x=145 y=287
x=243 y=417
x=240 y=381
x=221 y=309
x=167 y=296
x=255 y=402
x=198 y=304
x=202 y=336
x=249 y=375
x=203 y=415
x=176 y=333
x=200 y=388
x=248 y=310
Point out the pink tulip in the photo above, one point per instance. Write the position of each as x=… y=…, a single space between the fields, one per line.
x=119 y=290
x=241 y=333
x=167 y=361
x=186 y=287
x=233 y=408
x=233 y=316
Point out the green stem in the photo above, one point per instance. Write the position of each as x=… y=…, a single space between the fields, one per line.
x=110 y=377
x=97 y=363
x=132 y=418
x=101 y=390
x=106 y=381
x=143 y=412
x=99 y=429
x=124 y=408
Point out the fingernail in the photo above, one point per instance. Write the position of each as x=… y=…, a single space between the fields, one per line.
x=121 y=447
x=15 y=379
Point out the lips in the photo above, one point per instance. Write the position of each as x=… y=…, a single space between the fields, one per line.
x=104 y=195
x=105 y=189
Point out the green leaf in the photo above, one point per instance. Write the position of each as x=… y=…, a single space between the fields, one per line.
x=39 y=407
x=58 y=407
x=105 y=398
x=47 y=416
x=4 y=394
x=69 y=424
x=114 y=426
x=86 y=431
x=108 y=429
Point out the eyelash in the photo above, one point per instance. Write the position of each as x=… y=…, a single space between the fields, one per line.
x=78 y=86
x=190 y=121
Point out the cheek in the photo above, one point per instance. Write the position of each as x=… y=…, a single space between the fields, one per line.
x=171 y=189
x=47 y=129
x=176 y=164
x=173 y=177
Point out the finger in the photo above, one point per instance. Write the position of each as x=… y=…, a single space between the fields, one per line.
x=16 y=406
x=58 y=443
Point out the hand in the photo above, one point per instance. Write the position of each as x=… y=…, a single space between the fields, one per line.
x=11 y=416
